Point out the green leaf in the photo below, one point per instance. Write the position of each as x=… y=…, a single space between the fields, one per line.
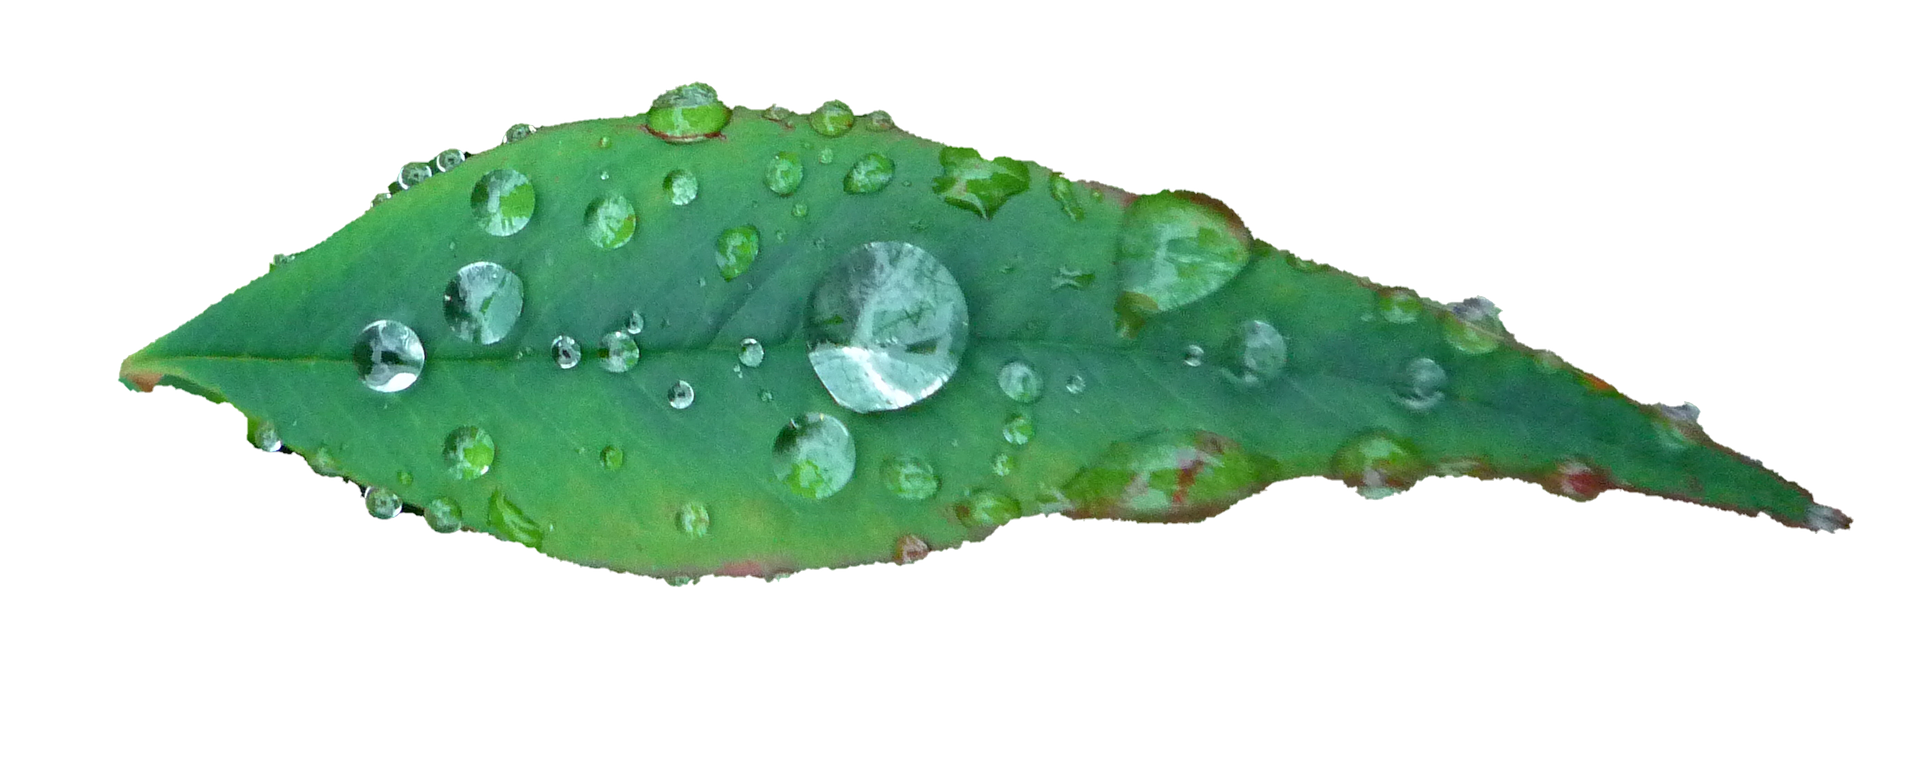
x=894 y=352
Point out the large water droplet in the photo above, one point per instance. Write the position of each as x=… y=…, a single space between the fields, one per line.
x=680 y=396
x=986 y=508
x=682 y=187
x=832 y=119
x=694 y=520
x=784 y=173
x=388 y=356
x=687 y=114
x=503 y=202
x=610 y=221
x=512 y=523
x=869 y=174
x=969 y=182
x=910 y=477
x=1018 y=430
x=886 y=327
x=516 y=133
x=263 y=436
x=566 y=352
x=1473 y=326
x=1168 y=476
x=413 y=173
x=618 y=352
x=1020 y=381
x=382 y=503
x=879 y=120
x=1421 y=383
x=813 y=456
x=468 y=452
x=1378 y=464
x=442 y=515
x=1175 y=248
x=735 y=250
x=752 y=353
x=449 y=159
x=1257 y=352
x=483 y=302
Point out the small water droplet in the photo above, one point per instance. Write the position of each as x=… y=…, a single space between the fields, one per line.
x=680 y=396
x=868 y=174
x=986 y=508
x=1071 y=278
x=814 y=455
x=1399 y=306
x=910 y=477
x=1002 y=464
x=682 y=187
x=735 y=250
x=686 y=114
x=323 y=462
x=831 y=119
x=1473 y=326
x=566 y=352
x=826 y=156
x=379 y=198
x=885 y=327
x=1020 y=381
x=1018 y=430
x=516 y=133
x=879 y=120
x=1062 y=191
x=483 y=302
x=503 y=201
x=280 y=259
x=618 y=352
x=776 y=113
x=1420 y=385
x=1076 y=384
x=677 y=581
x=442 y=515
x=610 y=221
x=752 y=353
x=412 y=173
x=468 y=452
x=611 y=457
x=1193 y=356
x=405 y=477
x=970 y=182
x=1257 y=352
x=784 y=173
x=263 y=436
x=1378 y=464
x=799 y=209
x=1163 y=476
x=388 y=356
x=1175 y=248
x=694 y=520
x=910 y=548
x=449 y=159
x=636 y=322
x=382 y=503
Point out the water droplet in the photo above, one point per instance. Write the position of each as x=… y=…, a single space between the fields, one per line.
x=1399 y=306
x=1020 y=381
x=969 y=182
x=776 y=113
x=826 y=156
x=382 y=503
x=885 y=327
x=469 y=452
x=483 y=302
x=566 y=352
x=449 y=159
x=1175 y=248
x=735 y=250
x=986 y=508
x=1257 y=353
x=1420 y=385
x=442 y=515
x=879 y=120
x=1378 y=464
x=752 y=353
x=412 y=173
x=1062 y=191
x=1547 y=361
x=1073 y=278
x=1473 y=326
x=831 y=119
x=680 y=396
x=610 y=221
x=511 y=523
x=503 y=202
x=1166 y=476
x=1575 y=479
x=677 y=581
x=516 y=133
x=1018 y=430
x=388 y=356
x=379 y=198
x=636 y=322
x=694 y=520
x=813 y=455
x=280 y=259
x=869 y=174
x=686 y=114
x=784 y=173
x=1076 y=384
x=1002 y=464
x=681 y=187
x=611 y=457
x=323 y=462
x=799 y=209
x=1193 y=356
x=910 y=548
x=263 y=436
x=910 y=477
x=618 y=352
x=405 y=477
